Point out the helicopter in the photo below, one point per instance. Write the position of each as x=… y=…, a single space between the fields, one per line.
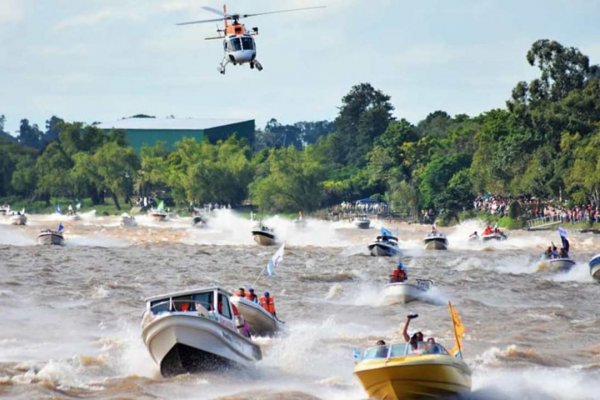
x=238 y=42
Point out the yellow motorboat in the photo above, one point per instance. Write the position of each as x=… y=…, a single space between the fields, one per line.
x=393 y=372
x=414 y=370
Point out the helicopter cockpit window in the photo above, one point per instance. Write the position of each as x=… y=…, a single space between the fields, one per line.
x=247 y=43
x=235 y=44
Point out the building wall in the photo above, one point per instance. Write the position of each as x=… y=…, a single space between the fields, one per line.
x=137 y=138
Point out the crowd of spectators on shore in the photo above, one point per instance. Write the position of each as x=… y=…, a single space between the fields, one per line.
x=347 y=209
x=535 y=208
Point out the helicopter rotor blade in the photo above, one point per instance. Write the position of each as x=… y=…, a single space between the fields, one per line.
x=281 y=11
x=202 y=21
x=214 y=10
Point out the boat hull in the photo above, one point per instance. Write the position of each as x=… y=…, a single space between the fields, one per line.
x=401 y=293
x=128 y=222
x=595 y=267
x=436 y=243
x=493 y=236
x=18 y=219
x=181 y=343
x=263 y=238
x=560 y=264
x=383 y=250
x=427 y=376
x=362 y=224
x=261 y=322
x=50 y=239
x=157 y=216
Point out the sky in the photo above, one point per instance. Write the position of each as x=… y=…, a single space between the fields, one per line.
x=102 y=60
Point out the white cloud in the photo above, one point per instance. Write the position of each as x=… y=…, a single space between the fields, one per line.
x=11 y=11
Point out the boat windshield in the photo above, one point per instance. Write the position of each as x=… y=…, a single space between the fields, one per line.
x=395 y=350
x=403 y=350
x=183 y=303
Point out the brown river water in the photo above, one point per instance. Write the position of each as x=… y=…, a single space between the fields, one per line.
x=70 y=315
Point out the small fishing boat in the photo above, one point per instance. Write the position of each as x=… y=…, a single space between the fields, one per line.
x=5 y=209
x=415 y=369
x=404 y=292
x=494 y=235
x=196 y=330
x=264 y=235
x=18 y=219
x=436 y=241
x=158 y=213
x=261 y=322
x=128 y=221
x=395 y=372
x=595 y=267
x=384 y=246
x=563 y=264
x=50 y=237
x=199 y=221
x=361 y=221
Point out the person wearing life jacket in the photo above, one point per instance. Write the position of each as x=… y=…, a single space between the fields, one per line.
x=399 y=274
x=488 y=230
x=250 y=295
x=268 y=303
x=240 y=292
x=240 y=322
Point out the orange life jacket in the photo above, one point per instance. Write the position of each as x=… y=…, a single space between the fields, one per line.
x=398 y=275
x=250 y=296
x=267 y=304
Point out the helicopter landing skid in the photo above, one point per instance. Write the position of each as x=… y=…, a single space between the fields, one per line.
x=256 y=64
x=222 y=65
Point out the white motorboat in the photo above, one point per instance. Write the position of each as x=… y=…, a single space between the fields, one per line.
x=199 y=221
x=595 y=267
x=158 y=213
x=128 y=221
x=261 y=322
x=196 y=330
x=436 y=241
x=264 y=235
x=50 y=237
x=5 y=209
x=361 y=221
x=563 y=264
x=499 y=235
x=404 y=292
x=18 y=219
x=558 y=264
x=384 y=246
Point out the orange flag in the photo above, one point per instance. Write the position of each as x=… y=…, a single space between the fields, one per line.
x=459 y=331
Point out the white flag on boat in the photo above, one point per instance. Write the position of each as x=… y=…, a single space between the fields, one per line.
x=562 y=232
x=386 y=232
x=275 y=261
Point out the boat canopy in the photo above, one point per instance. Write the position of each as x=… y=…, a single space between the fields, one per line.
x=211 y=300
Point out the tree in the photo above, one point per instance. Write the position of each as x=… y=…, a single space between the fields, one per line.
x=117 y=167
x=435 y=179
x=364 y=115
x=293 y=181
x=29 y=135
x=53 y=128
x=583 y=179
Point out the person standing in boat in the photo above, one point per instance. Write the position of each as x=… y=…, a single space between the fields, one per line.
x=268 y=303
x=399 y=274
x=250 y=295
x=415 y=339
